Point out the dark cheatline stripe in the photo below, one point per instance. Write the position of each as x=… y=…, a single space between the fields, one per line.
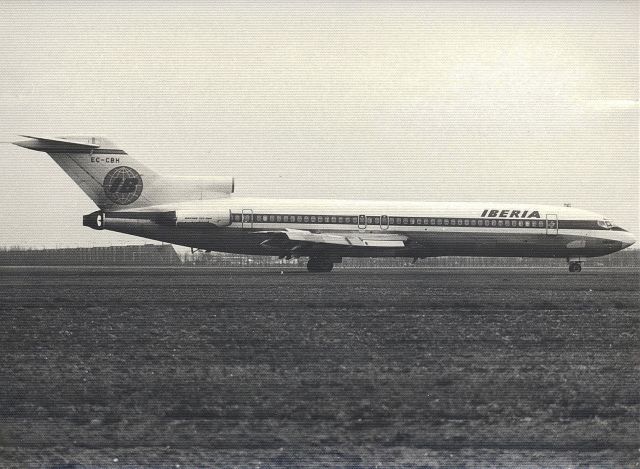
x=96 y=151
x=160 y=217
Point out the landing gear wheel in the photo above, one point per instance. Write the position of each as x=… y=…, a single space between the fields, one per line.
x=318 y=264
x=575 y=266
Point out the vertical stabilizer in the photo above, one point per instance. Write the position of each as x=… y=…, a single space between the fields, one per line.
x=107 y=174
x=115 y=180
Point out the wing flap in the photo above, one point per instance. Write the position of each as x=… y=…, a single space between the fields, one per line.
x=384 y=243
x=334 y=239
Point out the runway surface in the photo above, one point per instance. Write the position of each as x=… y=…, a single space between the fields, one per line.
x=398 y=367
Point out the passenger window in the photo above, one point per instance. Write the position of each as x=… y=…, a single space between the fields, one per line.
x=500 y=222
x=527 y=223
x=466 y=222
x=306 y=219
x=412 y=221
x=333 y=219
x=341 y=220
x=460 y=222
x=432 y=222
x=299 y=218
x=439 y=221
x=494 y=222
x=446 y=221
x=392 y=221
x=376 y=220
x=520 y=223
x=473 y=223
x=419 y=221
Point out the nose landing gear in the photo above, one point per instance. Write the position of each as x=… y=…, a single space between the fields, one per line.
x=575 y=266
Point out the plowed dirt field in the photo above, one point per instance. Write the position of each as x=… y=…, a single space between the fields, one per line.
x=416 y=367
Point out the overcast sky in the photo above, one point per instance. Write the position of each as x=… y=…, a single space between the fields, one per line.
x=533 y=102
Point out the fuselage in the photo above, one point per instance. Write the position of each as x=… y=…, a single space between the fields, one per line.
x=431 y=229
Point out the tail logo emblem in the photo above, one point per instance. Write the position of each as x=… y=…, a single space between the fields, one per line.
x=123 y=185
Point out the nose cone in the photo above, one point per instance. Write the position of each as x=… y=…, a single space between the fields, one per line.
x=628 y=239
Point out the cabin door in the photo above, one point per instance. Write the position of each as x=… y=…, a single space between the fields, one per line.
x=247 y=218
x=552 y=224
x=362 y=222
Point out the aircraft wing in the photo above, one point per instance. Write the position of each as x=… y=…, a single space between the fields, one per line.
x=391 y=240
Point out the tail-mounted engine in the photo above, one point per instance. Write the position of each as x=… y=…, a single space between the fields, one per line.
x=213 y=218
x=94 y=220
x=200 y=218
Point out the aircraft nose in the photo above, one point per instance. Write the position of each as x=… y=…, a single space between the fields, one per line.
x=628 y=239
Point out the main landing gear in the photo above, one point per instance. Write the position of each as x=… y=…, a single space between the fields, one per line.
x=319 y=264
x=575 y=266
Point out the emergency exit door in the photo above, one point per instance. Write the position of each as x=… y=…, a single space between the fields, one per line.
x=552 y=224
x=247 y=218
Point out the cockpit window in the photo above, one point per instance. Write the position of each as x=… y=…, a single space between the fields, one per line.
x=605 y=224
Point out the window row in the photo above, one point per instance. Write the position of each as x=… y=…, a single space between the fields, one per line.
x=386 y=221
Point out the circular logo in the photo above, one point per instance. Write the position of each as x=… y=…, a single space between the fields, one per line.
x=123 y=185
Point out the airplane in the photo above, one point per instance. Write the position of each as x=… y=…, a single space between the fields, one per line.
x=202 y=213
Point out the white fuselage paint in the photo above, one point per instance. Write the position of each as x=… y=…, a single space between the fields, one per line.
x=576 y=232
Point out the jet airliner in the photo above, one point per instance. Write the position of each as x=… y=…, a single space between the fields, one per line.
x=202 y=213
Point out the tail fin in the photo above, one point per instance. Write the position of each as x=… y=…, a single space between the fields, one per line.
x=114 y=180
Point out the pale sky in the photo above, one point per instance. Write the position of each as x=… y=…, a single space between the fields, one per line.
x=512 y=101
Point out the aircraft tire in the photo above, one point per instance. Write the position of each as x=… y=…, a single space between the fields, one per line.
x=316 y=264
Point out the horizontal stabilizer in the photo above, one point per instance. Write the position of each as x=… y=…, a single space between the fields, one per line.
x=57 y=145
x=63 y=141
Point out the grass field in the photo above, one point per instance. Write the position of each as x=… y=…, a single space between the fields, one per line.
x=415 y=367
